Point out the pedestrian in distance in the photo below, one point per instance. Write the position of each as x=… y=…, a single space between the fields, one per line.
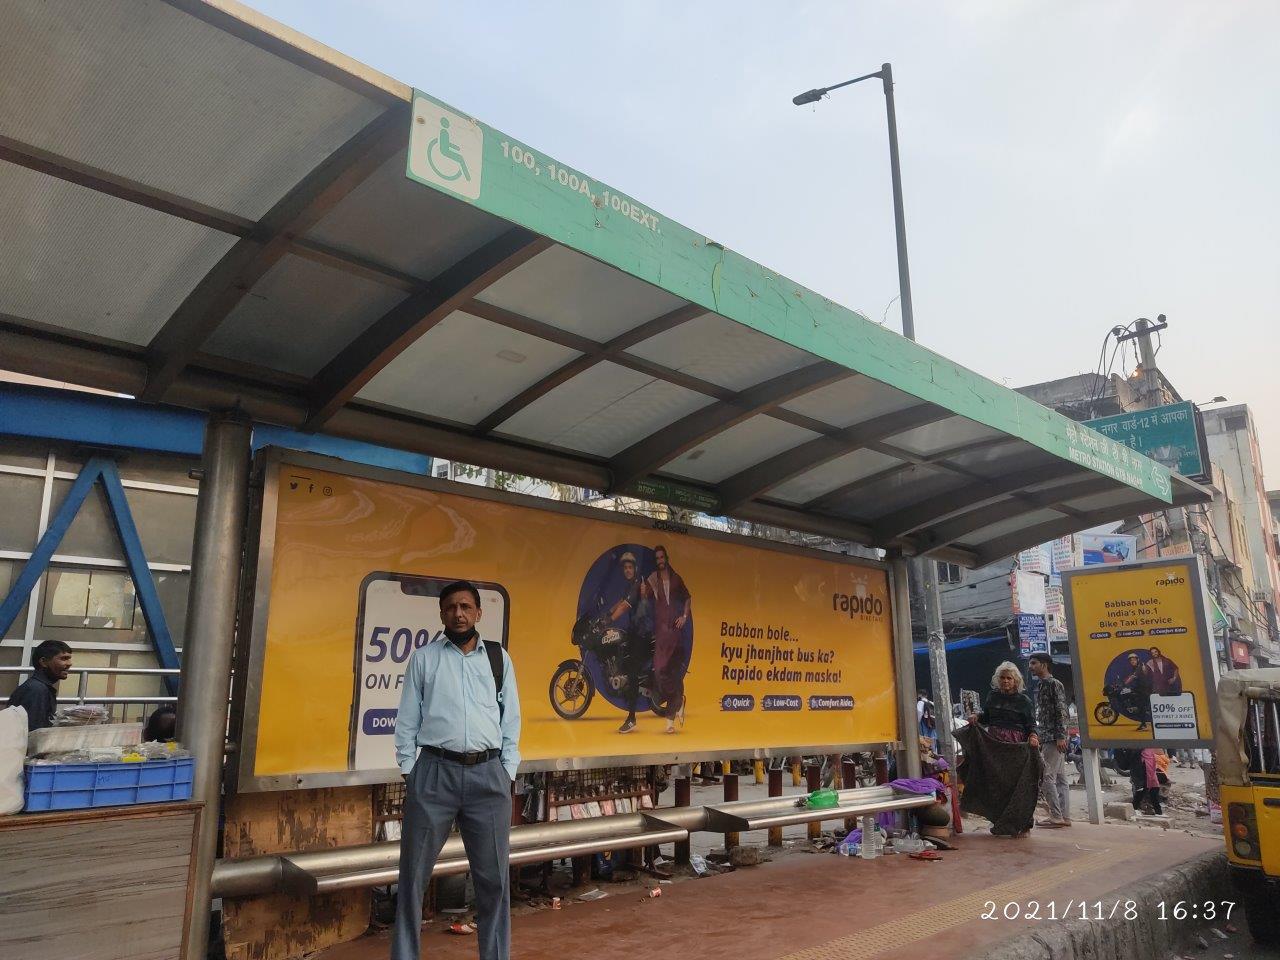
x=457 y=745
x=1051 y=730
x=38 y=694
x=1013 y=774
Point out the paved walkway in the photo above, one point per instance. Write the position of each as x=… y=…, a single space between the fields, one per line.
x=825 y=907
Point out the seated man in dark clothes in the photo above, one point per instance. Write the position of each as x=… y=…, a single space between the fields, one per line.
x=161 y=724
x=38 y=695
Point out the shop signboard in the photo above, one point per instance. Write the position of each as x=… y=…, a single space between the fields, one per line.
x=1171 y=435
x=1028 y=591
x=776 y=648
x=1142 y=654
x=1095 y=548
x=1036 y=559
x=1033 y=635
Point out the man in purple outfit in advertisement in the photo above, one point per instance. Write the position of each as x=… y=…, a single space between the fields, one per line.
x=1166 y=681
x=672 y=607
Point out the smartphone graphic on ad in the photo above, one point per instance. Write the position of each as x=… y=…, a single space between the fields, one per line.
x=399 y=613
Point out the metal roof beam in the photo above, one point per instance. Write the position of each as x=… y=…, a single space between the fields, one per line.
x=1009 y=544
x=901 y=522
x=939 y=460
x=184 y=208
x=239 y=270
x=752 y=482
x=592 y=353
x=646 y=456
x=952 y=531
x=102 y=181
x=370 y=352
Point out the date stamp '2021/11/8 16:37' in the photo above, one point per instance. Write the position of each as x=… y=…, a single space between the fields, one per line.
x=1102 y=910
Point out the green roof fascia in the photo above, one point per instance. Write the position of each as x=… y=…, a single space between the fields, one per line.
x=513 y=181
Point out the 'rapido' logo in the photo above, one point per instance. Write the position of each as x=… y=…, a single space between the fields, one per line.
x=858 y=602
x=1170 y=580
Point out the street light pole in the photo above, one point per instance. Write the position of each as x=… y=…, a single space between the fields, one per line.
x=899 y=216
x=885 y=74
x=923 y=568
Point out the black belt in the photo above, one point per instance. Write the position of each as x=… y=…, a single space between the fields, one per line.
x=466 y=759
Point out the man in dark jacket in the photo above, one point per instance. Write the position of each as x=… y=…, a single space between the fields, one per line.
x=38 y=695
x=1051 y=725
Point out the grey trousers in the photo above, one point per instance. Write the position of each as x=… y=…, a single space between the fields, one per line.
x=478 y=797
x=1054 y=788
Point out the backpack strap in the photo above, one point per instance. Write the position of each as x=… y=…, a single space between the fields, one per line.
x=499 y=667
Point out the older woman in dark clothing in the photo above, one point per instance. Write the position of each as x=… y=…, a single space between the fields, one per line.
x=1009 y=767
x=1007 y=713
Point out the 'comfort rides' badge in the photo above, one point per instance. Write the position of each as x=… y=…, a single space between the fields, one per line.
x=446 y=150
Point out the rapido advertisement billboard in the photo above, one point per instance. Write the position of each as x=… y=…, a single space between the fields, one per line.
x=1142 y=654
x=765 y=647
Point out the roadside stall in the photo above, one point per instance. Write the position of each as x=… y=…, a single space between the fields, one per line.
x=255 y=226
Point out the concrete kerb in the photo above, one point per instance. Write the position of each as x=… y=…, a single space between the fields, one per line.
x=1145 y=938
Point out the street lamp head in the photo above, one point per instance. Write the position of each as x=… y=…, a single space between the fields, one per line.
x=809 y=96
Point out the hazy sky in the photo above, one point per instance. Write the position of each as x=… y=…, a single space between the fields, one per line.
x=1067 y=166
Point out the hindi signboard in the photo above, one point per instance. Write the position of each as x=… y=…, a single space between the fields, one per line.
x=1170 y=434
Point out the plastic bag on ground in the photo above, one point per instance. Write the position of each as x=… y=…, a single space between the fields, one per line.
x=13 y=751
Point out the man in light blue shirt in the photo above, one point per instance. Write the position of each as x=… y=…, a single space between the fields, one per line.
x=457 y=746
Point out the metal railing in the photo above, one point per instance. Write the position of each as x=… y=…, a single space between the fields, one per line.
x=345 y=868
x=118 y=708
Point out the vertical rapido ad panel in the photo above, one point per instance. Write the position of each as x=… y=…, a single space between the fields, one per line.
x=765 y=647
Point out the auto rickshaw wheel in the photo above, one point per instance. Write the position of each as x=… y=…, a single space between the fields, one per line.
x=1260 y=902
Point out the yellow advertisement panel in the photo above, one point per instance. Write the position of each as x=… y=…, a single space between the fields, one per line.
x=717 y=645
x=1142 y=654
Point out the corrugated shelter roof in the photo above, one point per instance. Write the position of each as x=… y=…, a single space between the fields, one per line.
x=208 y=209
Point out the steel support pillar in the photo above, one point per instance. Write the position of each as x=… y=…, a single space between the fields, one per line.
x=1092 y=786
x=905 y=668
x=848 y=781
x=731 y=839
x=216 y=562
x=813 y=780
x=775 y=790
x=684 y=796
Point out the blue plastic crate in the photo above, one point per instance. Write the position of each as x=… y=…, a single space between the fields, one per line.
x=73 y=786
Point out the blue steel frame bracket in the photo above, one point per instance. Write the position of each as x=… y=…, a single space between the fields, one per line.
x=95 y=469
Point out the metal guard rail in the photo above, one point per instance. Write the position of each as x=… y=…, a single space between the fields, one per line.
x=82 y=686
x=376 y=864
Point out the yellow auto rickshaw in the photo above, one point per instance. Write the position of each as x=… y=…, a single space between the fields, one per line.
x=1247 y=741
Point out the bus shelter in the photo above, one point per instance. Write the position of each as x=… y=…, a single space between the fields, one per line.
x=207 y=210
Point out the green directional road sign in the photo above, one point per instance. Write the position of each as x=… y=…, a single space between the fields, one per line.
x=1170 y=435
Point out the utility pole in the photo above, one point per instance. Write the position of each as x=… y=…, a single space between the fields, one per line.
x=927 y=569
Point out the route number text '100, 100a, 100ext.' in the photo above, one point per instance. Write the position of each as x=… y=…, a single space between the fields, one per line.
x=604 y=200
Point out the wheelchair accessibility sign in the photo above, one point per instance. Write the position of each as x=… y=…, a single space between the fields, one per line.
x=446 y=150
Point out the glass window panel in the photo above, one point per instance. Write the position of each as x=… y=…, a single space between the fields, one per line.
x=91 y=533
x=24 y=452
x=68 y=600
x=19 y=511
x=166 y=524
x=159 y=468
x=111 y=600
x=172 y=588
x=8 y=573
